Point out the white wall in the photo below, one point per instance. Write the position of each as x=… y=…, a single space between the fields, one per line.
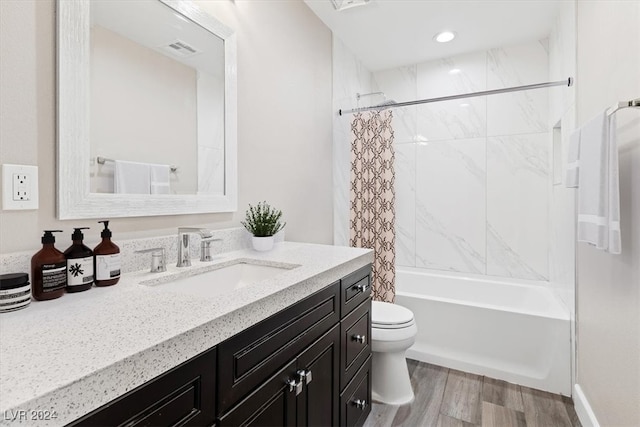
x=608 y=310
x=284 y=120
x=472 y=174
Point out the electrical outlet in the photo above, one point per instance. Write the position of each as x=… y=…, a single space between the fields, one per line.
x=19 y=187
x=21 y=184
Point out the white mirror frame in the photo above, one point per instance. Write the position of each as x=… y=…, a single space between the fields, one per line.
x=75 y=200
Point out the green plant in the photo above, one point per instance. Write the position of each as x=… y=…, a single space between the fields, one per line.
x=263 y=220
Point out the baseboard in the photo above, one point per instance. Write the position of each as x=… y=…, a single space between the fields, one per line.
x=583 y=409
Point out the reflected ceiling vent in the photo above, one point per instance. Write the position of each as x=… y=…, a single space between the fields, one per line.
x=348 y=4
x=180 y=48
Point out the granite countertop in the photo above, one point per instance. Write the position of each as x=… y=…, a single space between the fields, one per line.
x=76 y=353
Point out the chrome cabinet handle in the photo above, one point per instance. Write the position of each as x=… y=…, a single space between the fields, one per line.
x=359 y=338
x=295 y=386
x=305 y=375
x=360 y=403
x=361 y=288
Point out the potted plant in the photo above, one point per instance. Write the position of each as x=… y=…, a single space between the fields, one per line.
x=263 y=222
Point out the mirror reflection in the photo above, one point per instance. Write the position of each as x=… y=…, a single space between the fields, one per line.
x=156 y=101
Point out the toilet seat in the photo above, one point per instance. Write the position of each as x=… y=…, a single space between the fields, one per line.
x=385 y=315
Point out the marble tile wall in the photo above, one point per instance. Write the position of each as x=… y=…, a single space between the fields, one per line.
x=350 y=77
x=472 y=182
x=562 y=64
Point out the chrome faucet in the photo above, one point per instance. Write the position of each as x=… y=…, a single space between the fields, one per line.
x=183 y=243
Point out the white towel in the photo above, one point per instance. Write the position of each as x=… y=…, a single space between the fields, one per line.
x=131 y=178
x=573 y=161
x=598 y=188
x=159 y=176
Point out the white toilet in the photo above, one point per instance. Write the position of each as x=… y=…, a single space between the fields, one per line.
x=393 y=331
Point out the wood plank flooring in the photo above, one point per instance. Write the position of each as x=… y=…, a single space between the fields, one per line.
x=450 y=398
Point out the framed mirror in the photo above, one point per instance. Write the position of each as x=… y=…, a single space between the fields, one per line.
x=146 y=110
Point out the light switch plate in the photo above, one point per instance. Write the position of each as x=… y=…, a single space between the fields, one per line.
x=19 y=187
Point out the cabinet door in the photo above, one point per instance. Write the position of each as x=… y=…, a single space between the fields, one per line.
x=272 y=404
x=319 y=369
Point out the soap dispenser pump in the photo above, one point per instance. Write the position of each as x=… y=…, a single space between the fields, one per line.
x=48 y=269
x=107 y=255
x=79 y=263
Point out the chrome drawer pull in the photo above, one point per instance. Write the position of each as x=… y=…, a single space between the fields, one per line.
x=304 y=375
x=295 y=385
x=359 y=338
x=360 y=403
x=361 y=288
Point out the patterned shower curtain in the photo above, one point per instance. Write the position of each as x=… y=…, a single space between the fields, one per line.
x=372 y=197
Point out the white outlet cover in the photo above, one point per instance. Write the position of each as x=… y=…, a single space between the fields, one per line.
x=7 y=187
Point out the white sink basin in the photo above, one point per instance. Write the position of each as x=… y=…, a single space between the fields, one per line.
x=220 y=281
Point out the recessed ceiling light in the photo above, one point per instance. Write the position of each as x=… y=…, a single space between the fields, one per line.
x=444 y=36
x=464 y=105
x=454 y=70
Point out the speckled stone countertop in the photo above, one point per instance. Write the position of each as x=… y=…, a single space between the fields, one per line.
x=76 y=353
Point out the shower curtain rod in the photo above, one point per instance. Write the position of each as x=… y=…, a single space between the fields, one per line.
x=567 y=82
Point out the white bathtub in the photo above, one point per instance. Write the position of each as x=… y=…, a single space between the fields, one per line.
x=513 y=330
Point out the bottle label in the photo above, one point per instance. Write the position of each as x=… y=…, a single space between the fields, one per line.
x=80 y=271
x=107 y=267
x=54 y=276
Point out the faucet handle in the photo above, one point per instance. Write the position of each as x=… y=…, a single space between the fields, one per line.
x=158 y=259
x=205 y=248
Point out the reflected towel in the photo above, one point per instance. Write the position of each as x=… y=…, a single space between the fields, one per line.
x=159 y=176
x=131 y=178
x=573 y=161
x=598 y=186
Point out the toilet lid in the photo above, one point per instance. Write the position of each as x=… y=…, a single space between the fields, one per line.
x=387 y=314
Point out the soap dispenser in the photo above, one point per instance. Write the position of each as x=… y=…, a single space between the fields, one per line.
x=48 y=269
x=107 y=255
x=79 y=263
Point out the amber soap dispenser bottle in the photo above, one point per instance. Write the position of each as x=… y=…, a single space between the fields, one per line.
x=107 y=255
x=79 y=263
x=48 y=269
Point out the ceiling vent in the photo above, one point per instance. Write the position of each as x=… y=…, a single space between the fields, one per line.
x=348 y=4
x=180 y=48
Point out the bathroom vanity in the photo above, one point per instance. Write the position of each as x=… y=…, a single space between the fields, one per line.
x=290 y=350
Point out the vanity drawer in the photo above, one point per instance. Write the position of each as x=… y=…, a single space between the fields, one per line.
x=355 y=289
x=184 y=396
x=355 y=332
x=355 y=401
x=253 y=355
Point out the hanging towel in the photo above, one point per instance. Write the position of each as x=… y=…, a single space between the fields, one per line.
x=573 y=161
x=598 y=188
x=131 y=178
x=159 y=179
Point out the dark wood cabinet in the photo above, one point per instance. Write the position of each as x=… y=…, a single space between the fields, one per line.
x=183 y=396
x=250 y=357
x=304 y=392
x=307 y=365
x=355 y=400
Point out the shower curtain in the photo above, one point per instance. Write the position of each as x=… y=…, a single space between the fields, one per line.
x=372 y=220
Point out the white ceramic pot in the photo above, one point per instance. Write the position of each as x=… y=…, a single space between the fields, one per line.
x=262 y=244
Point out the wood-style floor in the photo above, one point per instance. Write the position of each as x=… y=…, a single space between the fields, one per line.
x=450 y=398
